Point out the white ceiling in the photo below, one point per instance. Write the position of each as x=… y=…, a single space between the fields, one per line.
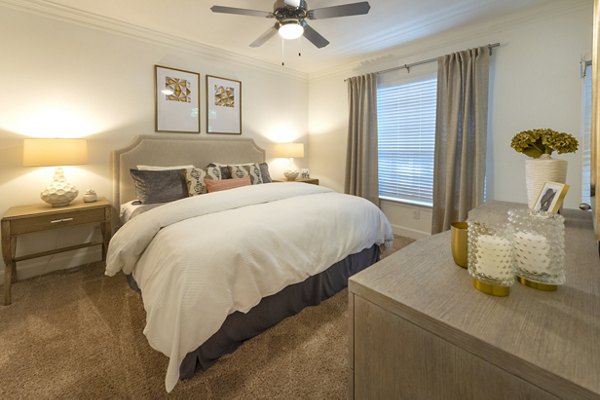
x=389 y=23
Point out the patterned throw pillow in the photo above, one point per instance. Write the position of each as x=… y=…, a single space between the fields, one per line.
x=226 y=173
x=224 y=170
x=242 y=170
x=196 y=179
x=217 y=186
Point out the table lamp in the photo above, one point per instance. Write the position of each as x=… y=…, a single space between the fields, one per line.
x=291 y=151
x=56 y=153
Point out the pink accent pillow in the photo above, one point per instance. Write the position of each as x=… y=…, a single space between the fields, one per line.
x=224 y=184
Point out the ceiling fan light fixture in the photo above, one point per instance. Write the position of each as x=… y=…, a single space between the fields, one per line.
x=290 y=30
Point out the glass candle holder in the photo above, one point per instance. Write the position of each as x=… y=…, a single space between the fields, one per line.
x=539 y=248
x=490 y=258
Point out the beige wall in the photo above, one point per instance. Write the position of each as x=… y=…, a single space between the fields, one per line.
x=61 y=78
x=535 y=82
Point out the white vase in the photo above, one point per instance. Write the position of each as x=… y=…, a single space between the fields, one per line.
x=59 y=192
x=541 y=170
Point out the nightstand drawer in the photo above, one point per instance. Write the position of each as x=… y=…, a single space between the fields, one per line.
x=47 y=222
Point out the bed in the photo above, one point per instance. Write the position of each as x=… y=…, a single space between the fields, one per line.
x=217 y=269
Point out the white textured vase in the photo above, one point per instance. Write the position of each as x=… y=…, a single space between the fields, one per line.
x=60 y=192
x=541 y=170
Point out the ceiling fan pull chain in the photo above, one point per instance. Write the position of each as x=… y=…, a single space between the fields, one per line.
x=282 y=52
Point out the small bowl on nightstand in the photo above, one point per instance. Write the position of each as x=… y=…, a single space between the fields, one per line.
x=291 y=175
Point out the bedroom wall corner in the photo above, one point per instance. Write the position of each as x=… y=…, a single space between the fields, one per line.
x=328 y=129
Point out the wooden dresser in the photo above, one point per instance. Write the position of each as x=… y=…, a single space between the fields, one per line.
x=419 y=330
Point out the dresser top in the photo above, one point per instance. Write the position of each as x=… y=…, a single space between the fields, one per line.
x=551 y=339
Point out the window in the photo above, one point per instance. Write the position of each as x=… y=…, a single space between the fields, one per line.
x=406 y=125
x=585 y=145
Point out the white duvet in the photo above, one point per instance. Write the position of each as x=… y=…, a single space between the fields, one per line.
x=199 y=259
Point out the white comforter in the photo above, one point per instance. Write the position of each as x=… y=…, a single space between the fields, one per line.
x=199 y=259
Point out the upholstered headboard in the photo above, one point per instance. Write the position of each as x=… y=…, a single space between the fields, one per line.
x=176 y=150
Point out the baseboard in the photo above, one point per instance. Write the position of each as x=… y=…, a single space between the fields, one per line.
x=57 y=262
x=409 y=232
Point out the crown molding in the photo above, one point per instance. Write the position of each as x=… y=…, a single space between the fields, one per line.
x=90 y=20
x=412 y=51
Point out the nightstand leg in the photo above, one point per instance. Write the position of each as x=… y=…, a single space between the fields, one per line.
x=8 y=277
x=106 y=229
x=9 y=248
x=13 y=254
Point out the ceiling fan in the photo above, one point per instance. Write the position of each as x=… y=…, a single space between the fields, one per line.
x=291 y=15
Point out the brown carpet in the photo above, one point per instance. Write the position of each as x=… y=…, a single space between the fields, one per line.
x=78 y=334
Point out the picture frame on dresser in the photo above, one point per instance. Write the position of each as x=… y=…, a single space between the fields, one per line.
x=176 y=100
x=551 y=197
x=223 y=105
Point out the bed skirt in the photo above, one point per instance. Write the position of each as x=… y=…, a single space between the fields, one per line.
x=239 y=327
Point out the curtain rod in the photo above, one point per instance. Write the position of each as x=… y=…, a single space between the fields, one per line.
x=409 y=66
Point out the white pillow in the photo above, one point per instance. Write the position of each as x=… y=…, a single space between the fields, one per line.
x=159 y=168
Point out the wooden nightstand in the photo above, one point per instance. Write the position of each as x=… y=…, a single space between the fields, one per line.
x=313 y=181
x=41 y=217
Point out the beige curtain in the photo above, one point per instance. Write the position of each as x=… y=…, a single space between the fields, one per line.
x=361 y=157
x=460 y=137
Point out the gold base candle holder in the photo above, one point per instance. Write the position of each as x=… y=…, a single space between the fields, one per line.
x=490 y=258
x=536 y=285
x=539 y=249
x=494 y=290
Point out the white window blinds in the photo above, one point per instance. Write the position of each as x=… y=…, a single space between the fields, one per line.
x=406 y=125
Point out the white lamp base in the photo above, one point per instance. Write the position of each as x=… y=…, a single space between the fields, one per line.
x=59 y=193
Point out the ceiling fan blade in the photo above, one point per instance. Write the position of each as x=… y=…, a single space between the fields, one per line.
x=241 y=11
x=264 y=37
x=313 y=36
x=345 y=10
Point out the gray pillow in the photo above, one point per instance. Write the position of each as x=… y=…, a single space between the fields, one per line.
x=159 y=186
x=264 y=172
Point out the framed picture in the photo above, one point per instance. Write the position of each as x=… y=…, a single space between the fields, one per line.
x=176 y=100
x=551 y=197
x=223 y=105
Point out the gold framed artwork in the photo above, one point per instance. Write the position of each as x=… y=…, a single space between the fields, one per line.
x=223 y=105
x=551 y=197
x=176 y=100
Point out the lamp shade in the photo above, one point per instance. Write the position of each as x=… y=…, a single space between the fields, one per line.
x=288 y=150
x=54 y=152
